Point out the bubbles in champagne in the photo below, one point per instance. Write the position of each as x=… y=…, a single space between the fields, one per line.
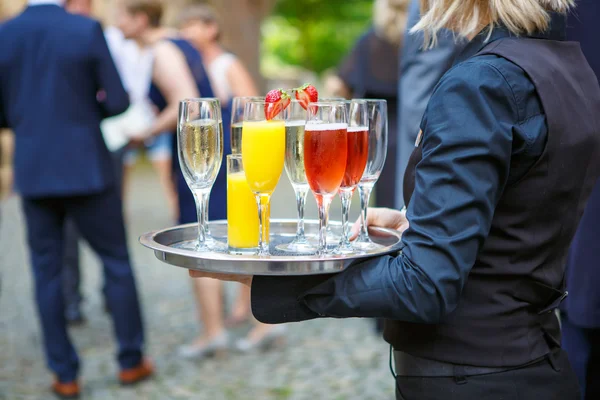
x=200 y=152
x=294 y=153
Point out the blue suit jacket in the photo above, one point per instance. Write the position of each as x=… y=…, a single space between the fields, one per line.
x=52 y=66
x=583 y=265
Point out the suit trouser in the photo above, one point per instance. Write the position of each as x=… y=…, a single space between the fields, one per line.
x=71 y=270
x=583 y=347
x=99 y=218
x=552 y=378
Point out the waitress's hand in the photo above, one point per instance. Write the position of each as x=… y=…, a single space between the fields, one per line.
x=243 y=279
x=383 y=218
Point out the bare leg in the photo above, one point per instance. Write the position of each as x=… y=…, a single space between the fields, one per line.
x=210 y=307
x=163 y=167
x=241 y=308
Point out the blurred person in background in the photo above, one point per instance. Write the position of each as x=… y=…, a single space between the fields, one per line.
x=201 y=26
x=134 y=65
x=63 y=169
x=420 y=70
x=371 y=71
x=506 y=159
x=580 y=313
x=140 y=20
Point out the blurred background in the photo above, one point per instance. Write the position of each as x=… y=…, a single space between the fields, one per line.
x=282 y=43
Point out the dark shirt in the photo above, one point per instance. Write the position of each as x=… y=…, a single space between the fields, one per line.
x=484 y=128
x=196 y=66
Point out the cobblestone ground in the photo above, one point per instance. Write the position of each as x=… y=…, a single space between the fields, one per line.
x=323 y=359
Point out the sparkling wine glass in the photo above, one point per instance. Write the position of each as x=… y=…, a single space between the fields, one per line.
x=237 y=118
x=263 y=154
x=295 y=120
x=358 y=151
x=378 y=140
x=200 y=150
x=210 y=241
x=325 y=152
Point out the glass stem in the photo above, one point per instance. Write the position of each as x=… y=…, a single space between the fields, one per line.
x=264 y=212
x=323 y=202
x=346 y=198
x=206 y=227
x=300 y=202
x=201 y=197
x=365 y=193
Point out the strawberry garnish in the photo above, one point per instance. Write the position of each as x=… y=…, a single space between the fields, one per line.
x=277 y=100
x=306 y=94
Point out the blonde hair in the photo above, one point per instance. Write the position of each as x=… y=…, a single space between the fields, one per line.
x=468 y=17
x=389 y=19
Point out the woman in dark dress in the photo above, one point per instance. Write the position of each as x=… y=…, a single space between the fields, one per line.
x=371 y=71
x=507 y=156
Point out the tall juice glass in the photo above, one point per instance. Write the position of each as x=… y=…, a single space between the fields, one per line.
x=378 y=139
x=237 y=118
x=200 y=150
x=358 y=150
x=242 y=214
x=295 y=120
x=325 y=153
x=263 y=154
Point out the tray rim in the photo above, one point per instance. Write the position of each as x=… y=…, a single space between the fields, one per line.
x=148 y=240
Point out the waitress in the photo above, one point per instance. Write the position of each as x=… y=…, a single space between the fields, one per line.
x=507 y=156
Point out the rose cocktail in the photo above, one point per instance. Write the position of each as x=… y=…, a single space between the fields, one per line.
x=325 y=151
x=356 y=160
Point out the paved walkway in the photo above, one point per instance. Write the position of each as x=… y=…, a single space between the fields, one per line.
x=324 y=359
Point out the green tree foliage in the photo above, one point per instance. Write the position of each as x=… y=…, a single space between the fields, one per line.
x=314 y=34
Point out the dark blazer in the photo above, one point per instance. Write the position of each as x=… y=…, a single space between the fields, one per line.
x=583 y=267
x=52 y=66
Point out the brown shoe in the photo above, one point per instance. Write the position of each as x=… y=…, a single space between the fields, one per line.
x=69 y=390
x=134 y=375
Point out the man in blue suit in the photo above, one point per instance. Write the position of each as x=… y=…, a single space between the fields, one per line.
x=581 y=309
x=53 y=65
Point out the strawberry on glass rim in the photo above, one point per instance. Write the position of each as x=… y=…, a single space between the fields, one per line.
x=277 y=100
x=306 y=94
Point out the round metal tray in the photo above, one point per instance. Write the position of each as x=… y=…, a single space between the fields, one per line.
x=175 y=246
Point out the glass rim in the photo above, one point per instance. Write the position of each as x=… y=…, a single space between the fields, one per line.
x=233 y=156
x=326 y=103
x=247 y=97
x=198 y=99
x=372 y=100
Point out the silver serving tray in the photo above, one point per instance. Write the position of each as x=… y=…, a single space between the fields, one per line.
x=175 y=246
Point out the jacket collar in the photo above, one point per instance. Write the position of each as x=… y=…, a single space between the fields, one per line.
x=556 y=31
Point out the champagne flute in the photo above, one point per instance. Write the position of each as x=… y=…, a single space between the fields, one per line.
x=295 y=120
x=358 y=151
x=200 y=150
x=210 y=241
x=378 y=131
x=325 y=152
x=237 y=118
x=263 y=154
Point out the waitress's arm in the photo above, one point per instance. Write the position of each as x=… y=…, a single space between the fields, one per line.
x=467 y=147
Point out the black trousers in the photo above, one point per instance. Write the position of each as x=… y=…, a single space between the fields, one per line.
x=547 y=379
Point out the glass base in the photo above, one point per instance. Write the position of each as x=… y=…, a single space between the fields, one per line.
x=298 y=247
x=344 y=249
x=215 y=245
x=366 y=245
x=246 y=251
